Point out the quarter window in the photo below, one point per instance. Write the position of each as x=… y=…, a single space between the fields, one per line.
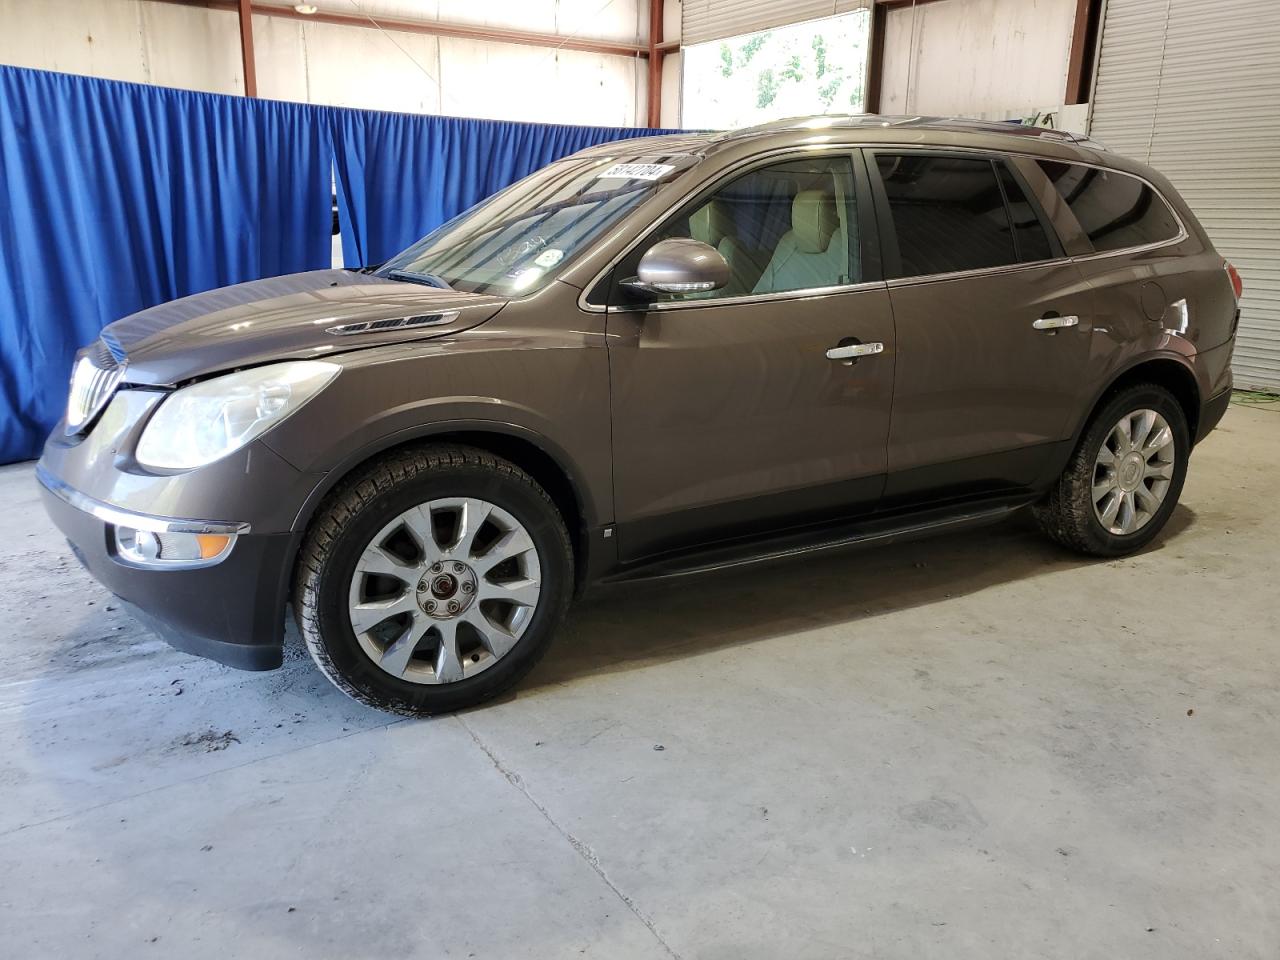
x=948 y=214
x=1116 y=211
x=789 y=226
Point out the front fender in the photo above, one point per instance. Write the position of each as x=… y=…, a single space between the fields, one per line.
x=591 y=507
x=554 y=395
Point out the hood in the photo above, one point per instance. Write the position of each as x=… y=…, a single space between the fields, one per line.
x=283 y=318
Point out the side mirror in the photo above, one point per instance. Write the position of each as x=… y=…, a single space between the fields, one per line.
x=680 y=265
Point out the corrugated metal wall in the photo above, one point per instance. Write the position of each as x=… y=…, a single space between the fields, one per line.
x=1193 y=88
x=704 y=20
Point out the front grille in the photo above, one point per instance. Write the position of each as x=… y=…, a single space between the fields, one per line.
x=94 y=379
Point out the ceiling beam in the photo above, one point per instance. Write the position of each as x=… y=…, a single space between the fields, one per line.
x=433 y=27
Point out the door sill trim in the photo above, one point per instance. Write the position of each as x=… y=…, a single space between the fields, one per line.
x=861 y=533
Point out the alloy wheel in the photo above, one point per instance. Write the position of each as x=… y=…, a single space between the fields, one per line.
x=1133 y=472
x=444 y=590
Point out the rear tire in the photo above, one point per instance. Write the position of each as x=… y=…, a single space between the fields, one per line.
x=1113 y=499
x=451 y=611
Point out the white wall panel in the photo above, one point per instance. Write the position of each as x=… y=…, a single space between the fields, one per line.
x=388 y=76
x=124 y=40
x=218 y=66
x=705 y=20
x=1189 y=86
x=514 y=82
x=594 y=19
x=314 y=62
x=994 y=59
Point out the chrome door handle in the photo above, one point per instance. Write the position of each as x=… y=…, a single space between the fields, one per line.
x=1053 y=323
x=855 y=350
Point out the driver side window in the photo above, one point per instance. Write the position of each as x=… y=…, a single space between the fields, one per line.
x=789 y=226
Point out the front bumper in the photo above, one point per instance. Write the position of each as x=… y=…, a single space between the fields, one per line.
x=231 y=611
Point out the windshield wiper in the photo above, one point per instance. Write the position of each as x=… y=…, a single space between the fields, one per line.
x=426 y=279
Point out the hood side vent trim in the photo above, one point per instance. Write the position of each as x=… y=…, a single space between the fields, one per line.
x=395 y=323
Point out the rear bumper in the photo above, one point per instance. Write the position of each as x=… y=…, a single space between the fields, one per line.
x=1211 y=413
x=231 y=612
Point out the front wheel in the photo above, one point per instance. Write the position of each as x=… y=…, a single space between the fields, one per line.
x=432 y=580
x=1125 y=476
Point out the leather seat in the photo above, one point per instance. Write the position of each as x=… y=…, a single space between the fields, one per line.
x=813 y=253
x=712 y=224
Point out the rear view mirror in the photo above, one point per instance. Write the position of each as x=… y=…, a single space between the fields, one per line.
x=680 y=265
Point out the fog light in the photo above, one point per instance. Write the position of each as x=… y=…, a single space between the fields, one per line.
x=171 y=549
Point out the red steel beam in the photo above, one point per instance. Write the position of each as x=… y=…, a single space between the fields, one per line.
x=1084 y=44
x=875 y=59
x=244 y=8
x=656 y=54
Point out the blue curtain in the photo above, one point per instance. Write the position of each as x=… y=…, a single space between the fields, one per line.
x=401 y=175
x=120 y=196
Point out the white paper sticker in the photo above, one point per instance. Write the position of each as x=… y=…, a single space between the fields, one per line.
x=549 y=258
x=637 y=171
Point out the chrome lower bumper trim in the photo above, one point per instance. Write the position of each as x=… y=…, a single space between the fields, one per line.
x=127 y=518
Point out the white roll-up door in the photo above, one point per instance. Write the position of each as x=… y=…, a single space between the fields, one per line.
x=1191 y=87
x=703 y=20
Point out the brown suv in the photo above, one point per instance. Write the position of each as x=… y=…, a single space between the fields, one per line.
x=652 y=358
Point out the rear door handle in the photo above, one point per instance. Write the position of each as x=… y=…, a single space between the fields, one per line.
x=852 y=351
x=1053 y=322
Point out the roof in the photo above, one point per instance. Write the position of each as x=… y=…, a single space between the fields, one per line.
x=702 y=143
x=865 y=121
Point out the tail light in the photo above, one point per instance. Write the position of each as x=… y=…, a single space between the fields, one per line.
x=1236 y=283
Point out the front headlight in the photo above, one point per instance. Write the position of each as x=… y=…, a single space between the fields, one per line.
x=206 y=421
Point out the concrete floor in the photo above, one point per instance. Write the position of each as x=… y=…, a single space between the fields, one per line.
x=973 y=747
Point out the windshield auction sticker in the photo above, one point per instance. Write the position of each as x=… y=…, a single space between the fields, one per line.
x=637 y=171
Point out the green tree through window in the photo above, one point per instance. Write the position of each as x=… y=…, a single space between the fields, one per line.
x=805 y=68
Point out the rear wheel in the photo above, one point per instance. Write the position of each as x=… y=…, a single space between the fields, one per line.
x=1125 y=476
x=433 y=580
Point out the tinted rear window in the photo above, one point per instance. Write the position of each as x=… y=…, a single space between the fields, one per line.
x=948 y=213
x=1117 y=211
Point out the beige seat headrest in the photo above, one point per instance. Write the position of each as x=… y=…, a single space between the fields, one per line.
x=710 y=223
x=813 y=220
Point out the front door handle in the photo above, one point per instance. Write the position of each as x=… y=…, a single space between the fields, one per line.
x=852 y=351
x=1054 y=322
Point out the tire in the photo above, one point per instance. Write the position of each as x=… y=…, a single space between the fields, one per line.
x=349 y=536
x=1067 y=514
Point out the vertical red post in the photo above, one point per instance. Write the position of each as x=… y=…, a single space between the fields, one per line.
x=245 y=9
x=655 y=63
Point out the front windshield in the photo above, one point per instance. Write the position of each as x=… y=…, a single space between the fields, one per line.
x=516 y=241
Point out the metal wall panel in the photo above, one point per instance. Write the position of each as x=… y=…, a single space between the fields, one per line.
x=1190 y=86
x=704 y=20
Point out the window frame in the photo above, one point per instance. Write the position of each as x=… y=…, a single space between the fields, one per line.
x=1182 y=235
x=890 y=254
x=599 y=294
x=1057 y=250
x=616 y=298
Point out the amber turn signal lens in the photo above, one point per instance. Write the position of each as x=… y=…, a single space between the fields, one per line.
x=211 y=545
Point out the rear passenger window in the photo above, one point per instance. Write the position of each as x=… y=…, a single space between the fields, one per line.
x=1115 y=210
x=948 y=213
